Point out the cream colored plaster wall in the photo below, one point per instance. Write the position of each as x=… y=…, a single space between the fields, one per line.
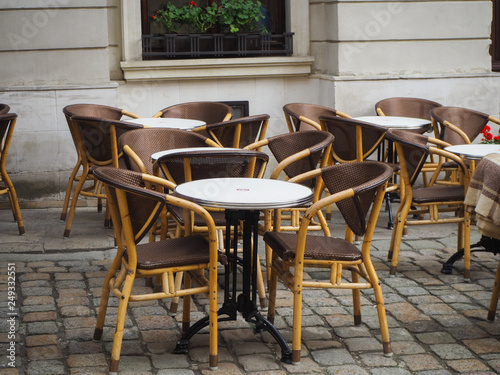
x=53 y=42
x=355 y=38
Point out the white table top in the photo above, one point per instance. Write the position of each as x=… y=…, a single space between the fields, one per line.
x=245 y=193
x=396 y=122
x=474 y=150
x=167 y=122
x=174 y=151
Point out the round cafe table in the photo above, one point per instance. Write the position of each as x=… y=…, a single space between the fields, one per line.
x=168 y=122
x=242 y=199
x=474 y=151
x=397 y=122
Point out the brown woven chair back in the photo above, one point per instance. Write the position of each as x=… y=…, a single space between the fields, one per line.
x=240 y=132
x=285 y=145
x=415 y=151
x=93 y=110
x=210 y=112
x=469 y=121
x=95 y=137
x=407 y=107
x=216 y=163
x=144 y=205
x=347 y=147
x=145 y=142
x=364 y=178
x=293 y=111
x=4 y=108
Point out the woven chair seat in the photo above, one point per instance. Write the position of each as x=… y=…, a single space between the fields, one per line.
x=439 y=193
x=317 y=247
x=174 y=252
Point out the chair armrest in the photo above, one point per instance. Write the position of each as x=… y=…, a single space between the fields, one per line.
x=135 y=158
x=380 y=112
x=310 y=122
x=130 y=114
x=342 y=114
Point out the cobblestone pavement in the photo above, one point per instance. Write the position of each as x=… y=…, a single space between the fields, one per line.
x=437 y=322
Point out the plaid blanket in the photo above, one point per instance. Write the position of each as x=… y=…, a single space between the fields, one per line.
x=483 y=196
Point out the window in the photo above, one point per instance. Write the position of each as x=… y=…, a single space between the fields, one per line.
x=157 y=45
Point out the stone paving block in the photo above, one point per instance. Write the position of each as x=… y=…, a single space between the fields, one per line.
x=49 y=367
x=37 y=353
x=86 y=360
x=223 y=369
x=467 y=366
x=346 y=370
x=483 y=346
x=332 y=357
x=363 y=344
x=451 y=351
x=405 y=312
x=40 y=340
x=435 y=338
x=40 y=316
x=259 y=362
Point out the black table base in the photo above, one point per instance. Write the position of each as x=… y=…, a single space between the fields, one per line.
x=485 y=244
x=246 y=301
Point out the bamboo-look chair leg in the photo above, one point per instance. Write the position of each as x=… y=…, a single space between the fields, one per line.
x=382 y=318
x=69 y=188
x=74 y=201
x=174 y=304
x=103 y=306
x=494 y=295
x=273 y=286
x=261 y=288
x=356 y=298
x=120 y=324
x=14 y=203
x=397 y=234
x=297 y=318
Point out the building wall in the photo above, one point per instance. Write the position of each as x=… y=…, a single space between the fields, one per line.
x=60 y=52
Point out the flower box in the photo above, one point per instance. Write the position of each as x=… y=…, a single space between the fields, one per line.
x=188 y=46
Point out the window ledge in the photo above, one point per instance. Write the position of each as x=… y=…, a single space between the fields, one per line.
x=250 y=67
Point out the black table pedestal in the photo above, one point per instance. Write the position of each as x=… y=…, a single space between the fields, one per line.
x=246 y=301
x=485 y=244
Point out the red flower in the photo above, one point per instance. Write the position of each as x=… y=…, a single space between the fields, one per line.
x=153 y=17
x=488 y=136
x=497 y=139
x=192 y=3
x=485 y=129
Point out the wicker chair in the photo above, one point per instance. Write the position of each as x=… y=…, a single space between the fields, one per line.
x=353 y=187
x=90 y=110
x=179 y=166
x=7 y=125
x=237 y=133
x=296 y=153
x=406 y=107
x=304 y=116
x=413 y=150
x=357 y=141
x=4 y=109
x=96 y=140
x=134 y=208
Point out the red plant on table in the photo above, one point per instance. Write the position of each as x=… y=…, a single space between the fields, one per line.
x=488 y=137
